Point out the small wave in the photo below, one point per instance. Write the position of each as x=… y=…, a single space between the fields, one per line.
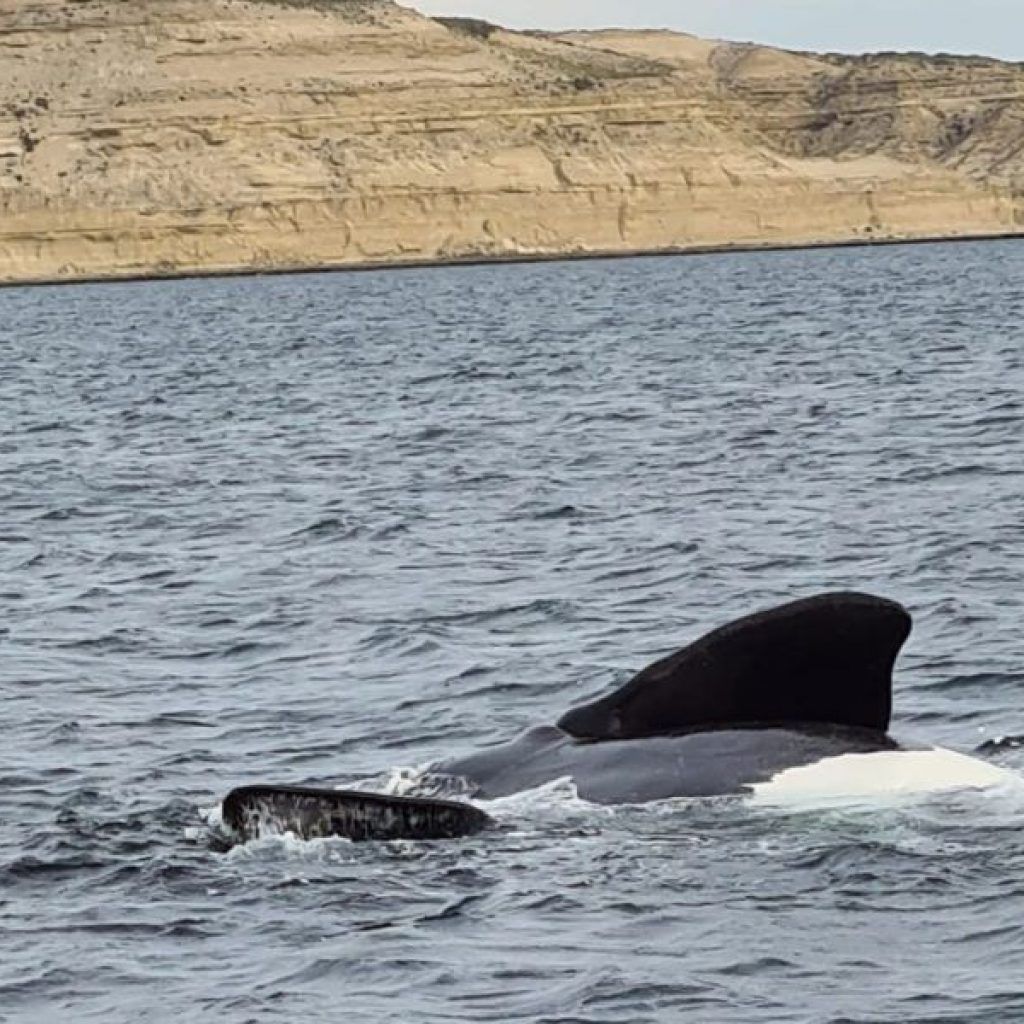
x=45 y=428
x=65 y=732
x=179 y=719
x=31 y=867
x=554 y=609
x=396 y=639
x=236 y=650
x=1000 y=743
x=430 y=433
x=559 y=512
x=59 y=515
x=117 y=641
x=757 y=967
x=389 y=530
x=986 y=681
x=327 y=527
x=156 y=576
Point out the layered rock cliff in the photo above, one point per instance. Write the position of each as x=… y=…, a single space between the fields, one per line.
x=175 y=136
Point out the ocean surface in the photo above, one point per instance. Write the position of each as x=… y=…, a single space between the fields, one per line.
x=330 y=528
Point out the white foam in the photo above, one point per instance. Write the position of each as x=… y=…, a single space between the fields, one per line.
x=422 y=780
x=407 y=781
x=880 y=774
x=288 y=846
x=558 y=793
x=213 y=816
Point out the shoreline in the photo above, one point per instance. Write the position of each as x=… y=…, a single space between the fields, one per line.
x=199 y=272
x=173 y=140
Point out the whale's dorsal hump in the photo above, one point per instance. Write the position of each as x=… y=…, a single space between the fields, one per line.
x=825 y=659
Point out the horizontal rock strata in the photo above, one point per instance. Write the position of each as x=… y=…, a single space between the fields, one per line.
x=146 y=137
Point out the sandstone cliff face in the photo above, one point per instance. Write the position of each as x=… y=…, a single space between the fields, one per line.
x=175 y=136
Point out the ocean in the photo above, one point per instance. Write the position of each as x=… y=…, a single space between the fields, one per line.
x=330 y=528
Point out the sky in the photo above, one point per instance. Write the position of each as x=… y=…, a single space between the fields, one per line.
x=992 y=27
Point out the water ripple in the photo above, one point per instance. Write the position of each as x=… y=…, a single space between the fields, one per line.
x=323 y=527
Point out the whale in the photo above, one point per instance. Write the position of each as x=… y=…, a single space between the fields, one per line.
x=762 y=699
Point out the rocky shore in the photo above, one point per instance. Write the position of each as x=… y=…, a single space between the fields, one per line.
x=165 y=137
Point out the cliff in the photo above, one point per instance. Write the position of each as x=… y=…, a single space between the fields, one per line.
x=176 y=136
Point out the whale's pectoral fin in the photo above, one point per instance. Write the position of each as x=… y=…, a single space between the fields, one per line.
x=255 y=811
x=826 y=659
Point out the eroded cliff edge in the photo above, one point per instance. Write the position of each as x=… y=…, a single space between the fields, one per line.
x=176 y=136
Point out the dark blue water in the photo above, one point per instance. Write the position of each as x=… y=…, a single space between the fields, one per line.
x=313 y=529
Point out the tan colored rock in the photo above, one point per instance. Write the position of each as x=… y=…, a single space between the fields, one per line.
x=177 y=136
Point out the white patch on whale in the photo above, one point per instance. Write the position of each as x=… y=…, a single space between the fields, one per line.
x=882 y=773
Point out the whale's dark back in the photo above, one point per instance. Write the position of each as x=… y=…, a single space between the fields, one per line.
x=826 y=659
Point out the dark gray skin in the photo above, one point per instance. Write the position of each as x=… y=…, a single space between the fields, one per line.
x=825 y=659
x=696 y=764
x=779 y=689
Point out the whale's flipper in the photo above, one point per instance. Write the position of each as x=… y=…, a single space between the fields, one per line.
x=253 y=811
x=825 y=659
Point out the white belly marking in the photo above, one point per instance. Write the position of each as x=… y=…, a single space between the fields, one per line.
x=883 y=773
